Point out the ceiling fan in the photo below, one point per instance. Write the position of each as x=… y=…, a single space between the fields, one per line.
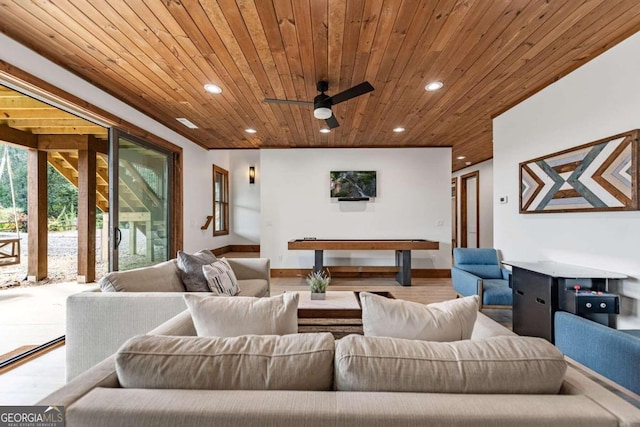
x=323 y=102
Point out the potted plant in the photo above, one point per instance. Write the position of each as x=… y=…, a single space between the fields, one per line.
x=318 y=282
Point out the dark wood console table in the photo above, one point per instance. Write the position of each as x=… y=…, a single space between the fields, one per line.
x=542 y=288
x=402 y=247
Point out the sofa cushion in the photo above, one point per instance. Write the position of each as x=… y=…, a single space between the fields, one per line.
x=283 y=408
x=162 y=277
x=190 y=269
x=232 y=316
x=220 y=278
x=501 y=365
x=253 y=288
x=443 y=321
x=496 y=292
x=249 y=362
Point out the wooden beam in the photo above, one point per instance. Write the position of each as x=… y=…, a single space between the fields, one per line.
x=69 y=130
x=66 y=130
x=62 y=143
x=86 y=215
x=22 y=102
x=18 y=137
x=134 y=216
x=44 y=123
x=37 y=222
x=35 y=114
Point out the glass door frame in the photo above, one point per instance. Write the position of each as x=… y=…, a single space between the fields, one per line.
x=114 y=205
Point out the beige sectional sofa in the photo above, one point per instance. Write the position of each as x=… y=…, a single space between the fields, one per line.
x=99 y=322
x=96 y=398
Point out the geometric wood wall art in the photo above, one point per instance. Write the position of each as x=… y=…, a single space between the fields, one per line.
x=598 y=176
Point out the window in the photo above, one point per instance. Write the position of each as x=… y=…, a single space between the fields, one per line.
x=220 y=201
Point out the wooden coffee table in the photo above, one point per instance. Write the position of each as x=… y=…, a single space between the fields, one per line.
x=340 y=313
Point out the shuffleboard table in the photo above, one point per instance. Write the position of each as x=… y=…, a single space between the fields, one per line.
x=403 y=248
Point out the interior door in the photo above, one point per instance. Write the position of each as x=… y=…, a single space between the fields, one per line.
x=470 y=210
x=139 y=214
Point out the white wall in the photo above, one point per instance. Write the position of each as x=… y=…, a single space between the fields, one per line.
x=598 y=100
x=196 y=161
x=413 y=197
x=245 y=198
x=485 y=169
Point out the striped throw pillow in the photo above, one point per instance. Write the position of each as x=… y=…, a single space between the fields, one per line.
x=221 y=278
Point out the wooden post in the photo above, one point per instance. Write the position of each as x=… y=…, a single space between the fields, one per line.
x=86 y=215
x=37 y=222
x=133 y=238
x=104 y=237
x=149 y=239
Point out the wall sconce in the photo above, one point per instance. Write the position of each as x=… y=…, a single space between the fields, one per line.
x=252 y=175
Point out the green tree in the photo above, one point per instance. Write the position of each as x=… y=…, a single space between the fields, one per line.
x=18 y=159
x=62 y=194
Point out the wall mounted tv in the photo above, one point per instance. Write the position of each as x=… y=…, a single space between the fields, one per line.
x=353 y=185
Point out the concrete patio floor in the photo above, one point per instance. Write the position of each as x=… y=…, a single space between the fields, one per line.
x=34 y=315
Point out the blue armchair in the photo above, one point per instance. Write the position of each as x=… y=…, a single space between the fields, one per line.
x=478 y=272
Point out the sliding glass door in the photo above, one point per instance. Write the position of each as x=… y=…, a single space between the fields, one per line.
x=140 y=214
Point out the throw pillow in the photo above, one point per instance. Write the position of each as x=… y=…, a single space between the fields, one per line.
x=500 y=365
x=443 y=321
x=162 y=277
x=249 y=362
x=229 y=317
x=220 y=278
x=190 y=267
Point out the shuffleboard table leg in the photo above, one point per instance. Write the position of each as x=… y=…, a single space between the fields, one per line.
x=403 y=262
x=318 y=266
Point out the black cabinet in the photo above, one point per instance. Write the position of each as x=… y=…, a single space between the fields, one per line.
x=541 y=289
x=535 y=300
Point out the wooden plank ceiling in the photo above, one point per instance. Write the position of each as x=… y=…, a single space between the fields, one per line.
x=26 y=114
x=157 y=55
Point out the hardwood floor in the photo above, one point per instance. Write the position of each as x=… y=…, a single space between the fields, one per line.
x=425 y=291
x=28 y=383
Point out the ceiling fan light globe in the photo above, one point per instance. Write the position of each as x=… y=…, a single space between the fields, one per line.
x=322 y=113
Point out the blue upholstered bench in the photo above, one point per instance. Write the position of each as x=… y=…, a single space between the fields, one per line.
x=612 y=353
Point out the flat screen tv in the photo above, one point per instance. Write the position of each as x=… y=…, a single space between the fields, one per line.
x=353 y=184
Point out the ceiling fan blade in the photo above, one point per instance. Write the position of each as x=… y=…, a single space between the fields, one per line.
x=332 y=122
x=288 y=101
x=357 y=90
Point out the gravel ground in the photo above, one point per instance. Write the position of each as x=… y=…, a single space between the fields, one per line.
x=62 y=260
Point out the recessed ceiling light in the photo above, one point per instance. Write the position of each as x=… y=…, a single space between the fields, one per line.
x=211 y=88
x=398 y=129
x=467 y=163
x=433 y=86
x=187 y=123
x=461 y=157
x=325 y=130
x=250 y=130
